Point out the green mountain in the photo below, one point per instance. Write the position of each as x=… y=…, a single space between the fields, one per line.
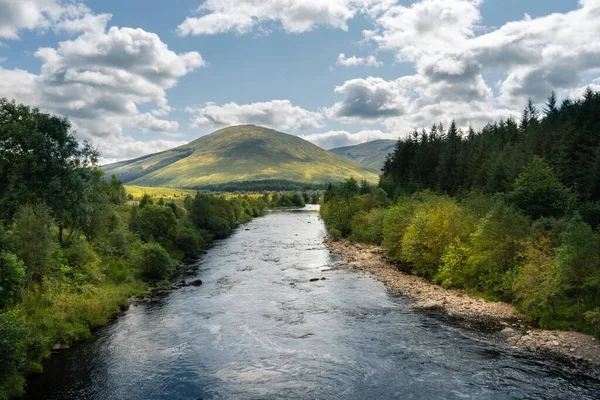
x=239 y=153
x=370 y=154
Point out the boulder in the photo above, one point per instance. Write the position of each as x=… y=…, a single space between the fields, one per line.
x=313 y=279
x=509 y=332
x=429 y=305
x=195 y=282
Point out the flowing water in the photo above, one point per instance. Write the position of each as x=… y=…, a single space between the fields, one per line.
x=258 y=329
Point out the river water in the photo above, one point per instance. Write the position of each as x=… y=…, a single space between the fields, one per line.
x=258 y=329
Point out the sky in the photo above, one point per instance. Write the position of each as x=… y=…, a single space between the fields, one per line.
x=141 y=76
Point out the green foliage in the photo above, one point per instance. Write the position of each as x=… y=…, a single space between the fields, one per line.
x=12 y=354
x=538 y=287
x=155 y=262
x=188 y=240
x=539 y=193
x=493 y=249
x=116 y=191
x=578 y=259
x=368 y=226
x=35 y=241
x=435 y=225
x=154 y=223
x=41 y=161
x=12 y=278
x=145 y=200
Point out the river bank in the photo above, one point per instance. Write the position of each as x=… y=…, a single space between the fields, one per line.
x=511 y=326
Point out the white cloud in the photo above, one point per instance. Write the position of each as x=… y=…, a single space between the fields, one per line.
x=101 y=77
x=70 y=16
x=295 y=16
x=445 y=41
x=333 y=139
x=126 y=147
x=370 y=61
x=451 y=53
x=369 y=99
x=276 y=114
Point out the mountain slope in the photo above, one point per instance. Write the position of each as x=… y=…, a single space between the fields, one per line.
x=370 y=154
x=239 y=153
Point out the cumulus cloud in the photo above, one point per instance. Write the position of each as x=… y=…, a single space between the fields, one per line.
x=370 y=98
x=446 y=42
x=295 y=16
x=333 y=139
x=451 y=52
x=70 y=16
x=370 y=61
x=100 y=78
x=277 y=114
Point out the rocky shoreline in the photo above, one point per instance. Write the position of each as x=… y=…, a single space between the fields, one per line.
x=511 y=326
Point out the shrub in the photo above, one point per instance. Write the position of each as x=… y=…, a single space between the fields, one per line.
x=12 y=354
x=79 y=253
x=188 y=240
x=493 y=249
x=538 y=285
x=155 y=262
x=154 y=222
x=436 y=224
x=12 y=277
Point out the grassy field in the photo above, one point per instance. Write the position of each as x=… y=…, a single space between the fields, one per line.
x=239 y=153
x=177 y=195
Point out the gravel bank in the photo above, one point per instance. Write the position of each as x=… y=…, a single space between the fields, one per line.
x=511 y=326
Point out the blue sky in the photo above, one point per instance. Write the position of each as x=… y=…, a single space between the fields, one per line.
x=139 y=76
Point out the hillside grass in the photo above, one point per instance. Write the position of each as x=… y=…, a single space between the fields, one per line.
x=240 y=153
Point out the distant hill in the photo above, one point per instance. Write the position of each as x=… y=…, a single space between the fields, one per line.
x=370 y=154
x=235 y=154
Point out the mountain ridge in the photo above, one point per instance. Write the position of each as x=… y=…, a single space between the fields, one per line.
x=369 y=154
x=238 y=153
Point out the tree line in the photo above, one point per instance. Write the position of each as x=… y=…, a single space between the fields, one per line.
x=510 y=212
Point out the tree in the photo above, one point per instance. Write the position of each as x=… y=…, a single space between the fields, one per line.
x=539 y=193
x=146 y=199
x=35 y=240
x=116 y=191
x=41 y=161
x=154 y=222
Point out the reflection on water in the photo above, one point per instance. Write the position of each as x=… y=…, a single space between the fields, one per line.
x=258 y=329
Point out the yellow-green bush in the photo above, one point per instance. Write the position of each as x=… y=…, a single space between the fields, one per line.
x=435 y=224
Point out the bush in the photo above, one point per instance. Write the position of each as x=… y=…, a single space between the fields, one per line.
x=538 y=285
x=188 y=240
x=155 y=262
x=435 y=225
x=154 y=222
x=368 y=227
x=493 y=249
x=79 y=253
x=12 y=278
x=12 y=354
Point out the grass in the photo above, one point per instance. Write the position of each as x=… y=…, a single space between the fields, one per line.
x=176 y=195
x=240 y=153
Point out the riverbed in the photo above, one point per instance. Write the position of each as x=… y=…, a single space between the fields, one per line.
x=258 y=328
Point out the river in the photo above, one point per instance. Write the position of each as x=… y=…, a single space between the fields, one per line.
x=258 y=329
